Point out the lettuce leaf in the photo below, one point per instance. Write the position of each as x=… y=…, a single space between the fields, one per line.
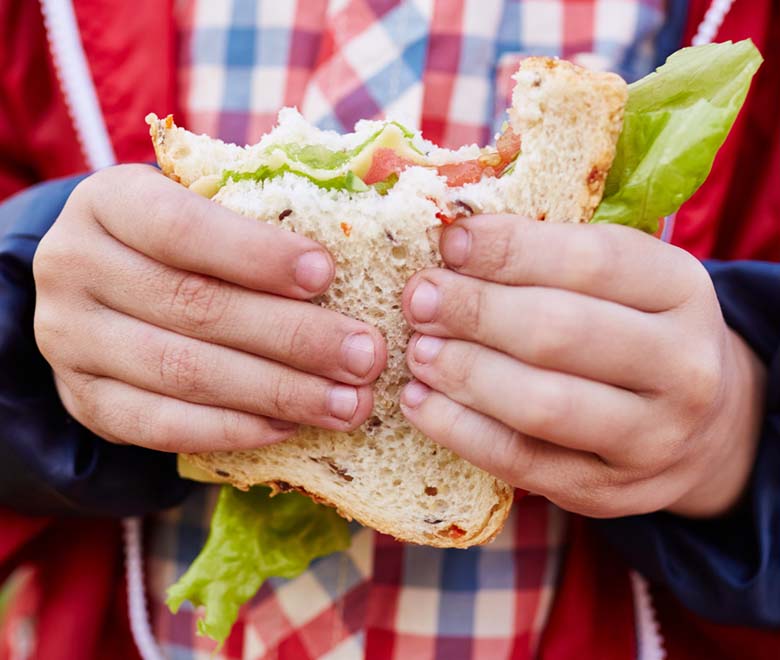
x=676 y=119
x=383 y=187
x=317 y=156
x=254 y=537
x=348 y=180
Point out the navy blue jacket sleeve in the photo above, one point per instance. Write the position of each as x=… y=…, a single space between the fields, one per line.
x=49 y=463
x=727 y=569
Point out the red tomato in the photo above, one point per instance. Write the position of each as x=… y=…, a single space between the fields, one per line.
x=508 y=145
x=385 y=163
x=458 y=174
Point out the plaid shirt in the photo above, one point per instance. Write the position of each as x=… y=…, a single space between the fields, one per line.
x=444 y=66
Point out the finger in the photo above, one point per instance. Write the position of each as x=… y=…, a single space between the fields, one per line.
x=549 y=328
x=304 y=336
x=162 y=219
x=125 y=414
x=612 y=262
x=160 y=361
x=562 y=409
x=574 y=480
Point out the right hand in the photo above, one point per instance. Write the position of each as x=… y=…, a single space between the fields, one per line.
x=175 y=324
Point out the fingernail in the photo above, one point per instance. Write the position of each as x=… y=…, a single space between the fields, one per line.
x=424 y=302
x=281 y=425
x=427 y=348
x=342 y=401
x=455 y=246
x=414 y=394
x=313 y=271
x=358 y=353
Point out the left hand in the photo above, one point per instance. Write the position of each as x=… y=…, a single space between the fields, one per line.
x=586 y=363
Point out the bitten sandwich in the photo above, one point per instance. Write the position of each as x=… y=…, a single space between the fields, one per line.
x=577 y=146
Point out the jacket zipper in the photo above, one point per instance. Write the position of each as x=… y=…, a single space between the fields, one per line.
x=649 y=642
x=78 y=89
x=136 y=591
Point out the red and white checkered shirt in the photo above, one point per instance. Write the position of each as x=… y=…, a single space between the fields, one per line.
x=443 y=66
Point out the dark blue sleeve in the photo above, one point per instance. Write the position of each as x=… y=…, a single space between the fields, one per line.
x=726 y=569
x=49 y=463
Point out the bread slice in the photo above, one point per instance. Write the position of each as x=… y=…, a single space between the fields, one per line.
x=386 y=474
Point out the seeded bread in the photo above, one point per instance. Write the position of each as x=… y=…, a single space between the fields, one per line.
x=386 y=474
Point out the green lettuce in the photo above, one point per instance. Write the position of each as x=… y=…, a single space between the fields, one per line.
x=676 y=119
x=348 y=180
x=254 y=537
x=317 y=156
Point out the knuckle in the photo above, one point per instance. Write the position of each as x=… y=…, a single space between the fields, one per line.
x=665 y=449
x=161 y=427
x=590 y=258
x=84 y=405
x=109 y=181
x=548 y=404
x=456 y=369
x=46 y=328
x=55 y=260
x=296 y=336
x=702 y=372
x=175 y=214
x=501 y=252
x=181 y=368
x=199 y=301
x=284 y=396
x=86 y=189
x=552 y=332
x=449 y=426
x=698 y=280
x=234 y=428
x=470 y=308
x=517 y=456
x=594 y=496
x=597 y=504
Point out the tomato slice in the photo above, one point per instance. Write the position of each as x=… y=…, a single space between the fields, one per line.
x=508 y=145
x=385 y=163
x=459 y=174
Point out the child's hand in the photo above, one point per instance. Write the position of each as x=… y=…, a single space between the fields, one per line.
x=589 y=364
x=172 y=323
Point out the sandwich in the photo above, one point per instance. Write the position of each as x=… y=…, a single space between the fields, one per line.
x=577 y=146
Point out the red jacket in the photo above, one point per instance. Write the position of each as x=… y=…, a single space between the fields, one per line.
x=46 y=132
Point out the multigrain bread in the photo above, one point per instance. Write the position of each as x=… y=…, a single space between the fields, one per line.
x=386 y=474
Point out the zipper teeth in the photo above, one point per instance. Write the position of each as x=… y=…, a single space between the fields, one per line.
x=78 y=89
x=713 y=20
x=136 y=592
x=649 y=642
